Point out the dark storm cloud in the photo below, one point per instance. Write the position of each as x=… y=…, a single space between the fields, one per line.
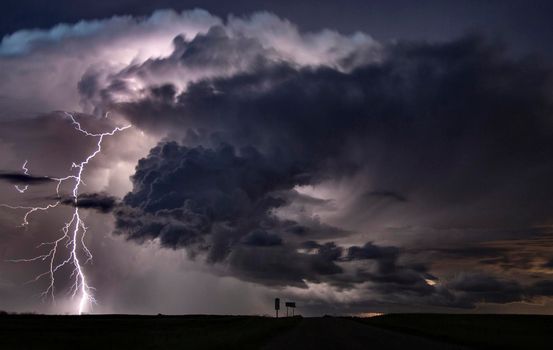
x=214 y=49
x=463 y=291
x=450 y=123
x=295 y=264
x=549 y=263
x=387 y=194
x=371 y=251
x=98 y=201
x=261 y=238
x=453 y=135
x=529 y=252
x=484 y=288
x=542 y=288
x=387 y=272
x=219 y=201
x=207 y=197
x=214 y=53
x=285 y=266
x=23 y=179
x=455 y=125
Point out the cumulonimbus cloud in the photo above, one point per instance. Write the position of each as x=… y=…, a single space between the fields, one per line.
x=250 y=110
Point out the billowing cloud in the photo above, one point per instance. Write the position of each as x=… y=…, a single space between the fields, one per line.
x=454 y=124
x=304 y=160
x=131 y=53
x=226 y=195
x=428 y=120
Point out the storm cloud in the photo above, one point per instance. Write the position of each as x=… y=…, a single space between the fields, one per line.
x=23 y=179
x=98 y=201
x=455 y=125
x=384 y=173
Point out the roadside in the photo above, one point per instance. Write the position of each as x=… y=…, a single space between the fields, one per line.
x=343 y=333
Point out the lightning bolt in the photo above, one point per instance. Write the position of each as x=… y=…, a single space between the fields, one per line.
x=73 y=232
x=26 y=172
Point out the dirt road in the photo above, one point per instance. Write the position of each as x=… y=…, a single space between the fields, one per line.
x=339 y=333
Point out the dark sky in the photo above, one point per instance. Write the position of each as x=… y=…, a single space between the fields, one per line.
x=354 y=156
x=524 y=24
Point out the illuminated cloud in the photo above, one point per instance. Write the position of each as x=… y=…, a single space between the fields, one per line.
x=333 y=167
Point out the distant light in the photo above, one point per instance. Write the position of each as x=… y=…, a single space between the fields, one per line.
x=431 y=282
x=370 y=314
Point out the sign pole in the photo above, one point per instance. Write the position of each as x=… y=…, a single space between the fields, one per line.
x=277 y=306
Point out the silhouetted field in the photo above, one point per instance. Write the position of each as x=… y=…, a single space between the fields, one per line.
x=474 y=331
x=397 y=331
x=139 y=332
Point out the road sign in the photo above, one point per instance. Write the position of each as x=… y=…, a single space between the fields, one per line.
x=290 y=304
x=277 y=306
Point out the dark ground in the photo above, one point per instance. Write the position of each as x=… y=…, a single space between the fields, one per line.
x=474 y=331
x=399 y=331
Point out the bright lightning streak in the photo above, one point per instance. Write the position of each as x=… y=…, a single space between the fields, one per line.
x=26 y=172
x=73 y=232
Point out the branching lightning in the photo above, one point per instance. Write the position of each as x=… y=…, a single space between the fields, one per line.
x=26 y=172
x=73 y=232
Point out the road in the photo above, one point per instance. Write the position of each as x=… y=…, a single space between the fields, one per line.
x=340 y=333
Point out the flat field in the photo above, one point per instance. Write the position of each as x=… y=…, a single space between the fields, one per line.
x=395 y=331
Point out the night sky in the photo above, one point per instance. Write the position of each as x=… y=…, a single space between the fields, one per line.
x=352 y=156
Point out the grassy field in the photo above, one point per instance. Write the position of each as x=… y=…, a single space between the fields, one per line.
x=475 y=331
x=251 y=332
x=139 y=332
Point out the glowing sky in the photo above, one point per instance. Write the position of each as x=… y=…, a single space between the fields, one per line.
x=271 y=156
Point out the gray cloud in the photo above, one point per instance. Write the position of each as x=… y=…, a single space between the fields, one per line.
x=453 y=108
x=22 y=179
x=261 y=238
x=472 y=288
x=387 y=194
x=185 y=195
x=254 y=118
x=429 y=120
x=549 y=263
x=98 y=201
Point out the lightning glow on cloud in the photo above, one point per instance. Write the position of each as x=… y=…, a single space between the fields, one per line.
x=73 y=232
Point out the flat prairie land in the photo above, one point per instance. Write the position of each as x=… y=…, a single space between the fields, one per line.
x=395 y=331
x=475 y=330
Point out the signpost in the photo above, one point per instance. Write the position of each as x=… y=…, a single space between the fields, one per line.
x=277 y=306
x=290 y=304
